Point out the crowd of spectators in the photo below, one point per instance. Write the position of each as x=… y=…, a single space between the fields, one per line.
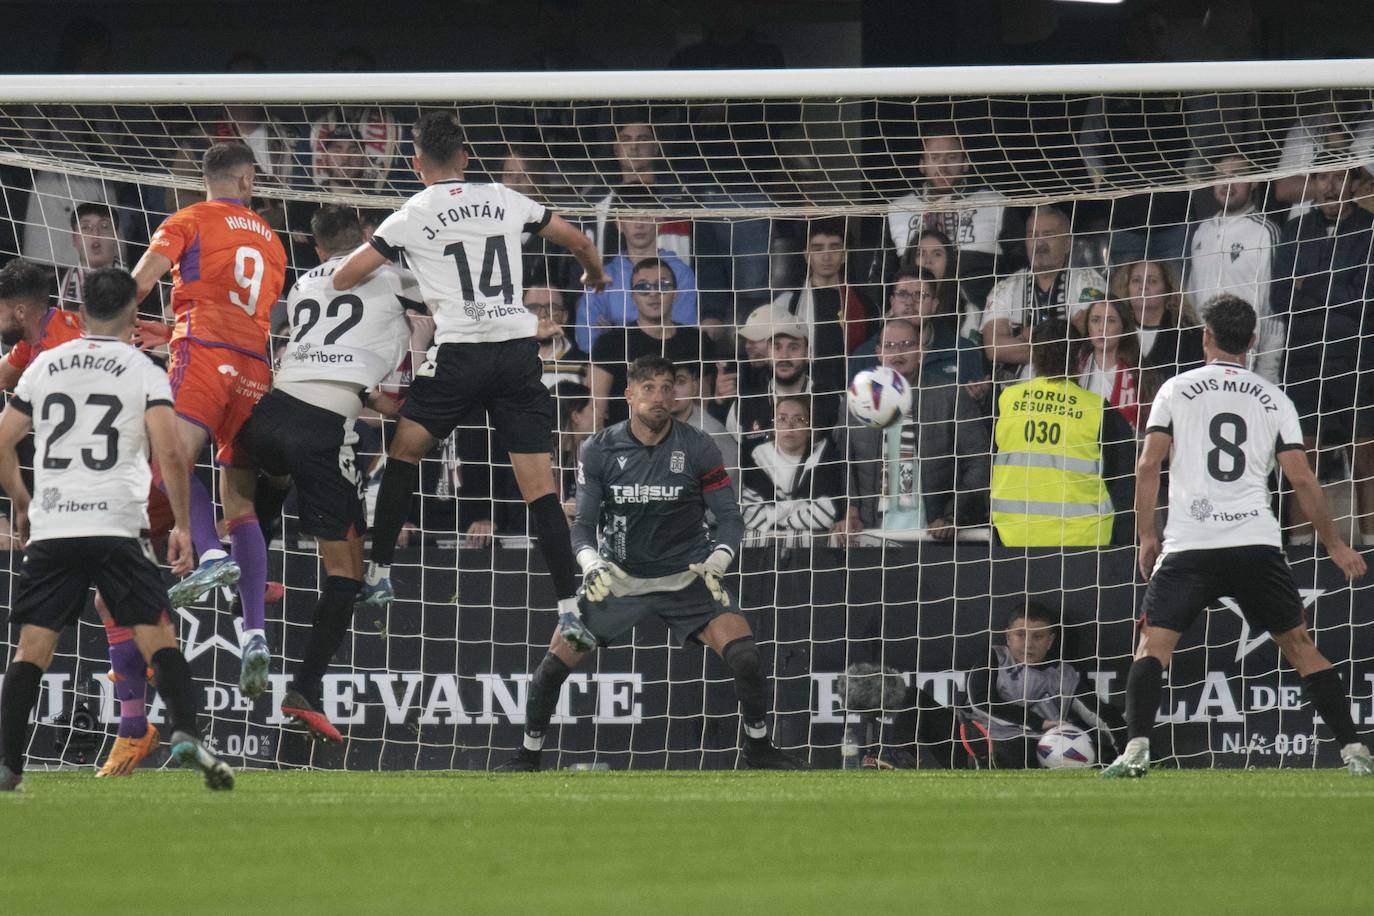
x=769 y=317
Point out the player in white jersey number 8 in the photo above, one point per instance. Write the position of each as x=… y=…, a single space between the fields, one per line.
x=1222 y=427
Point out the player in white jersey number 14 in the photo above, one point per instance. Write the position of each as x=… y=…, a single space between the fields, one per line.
x=1222 y=428
x=462 y=240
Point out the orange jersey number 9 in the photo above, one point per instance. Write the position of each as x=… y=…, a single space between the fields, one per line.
x=248 y=272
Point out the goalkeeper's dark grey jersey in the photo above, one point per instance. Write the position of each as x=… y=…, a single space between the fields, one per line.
x=649 y=502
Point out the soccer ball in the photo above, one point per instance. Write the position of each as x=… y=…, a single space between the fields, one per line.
x=1065 y=746
x=879 y=397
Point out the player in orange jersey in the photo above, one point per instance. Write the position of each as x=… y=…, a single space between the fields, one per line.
x=28 y=324
x=228 y=268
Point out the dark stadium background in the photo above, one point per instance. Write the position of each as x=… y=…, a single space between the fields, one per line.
x=200 y=35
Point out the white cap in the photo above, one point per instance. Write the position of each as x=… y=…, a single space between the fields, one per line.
x=768 y=320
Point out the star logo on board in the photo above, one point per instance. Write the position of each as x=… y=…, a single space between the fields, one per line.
x=1250 y=640
x=192 y=646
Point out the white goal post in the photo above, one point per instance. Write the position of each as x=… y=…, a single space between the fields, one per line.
x=742 y=172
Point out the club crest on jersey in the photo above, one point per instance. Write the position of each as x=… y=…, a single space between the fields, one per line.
x=1201 y=509
x=51 y=497
x=677 y=462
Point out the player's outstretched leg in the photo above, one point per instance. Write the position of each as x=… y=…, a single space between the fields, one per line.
x=741 y=655
x=1323 y=688
x=216 y=569
x=1143 y=687
x=137 y=737
x=534 y=474
x=18 y=697
x=245 y=536
x=400 y=479
x=174 y=684
x=545 y=686
x=333 y=615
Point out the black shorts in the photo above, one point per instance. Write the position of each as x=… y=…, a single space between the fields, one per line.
x=1257 y=577
x=686 y=611
x=503 y=377
x=285 y=435
x=56 y=577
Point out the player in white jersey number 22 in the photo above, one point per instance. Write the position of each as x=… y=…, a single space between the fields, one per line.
x=1223 y=427
x=341 y=347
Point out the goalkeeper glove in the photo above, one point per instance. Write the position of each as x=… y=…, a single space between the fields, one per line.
x=711 y=570
x=597 y=577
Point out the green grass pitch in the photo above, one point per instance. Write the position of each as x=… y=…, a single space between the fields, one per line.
x=730 y=843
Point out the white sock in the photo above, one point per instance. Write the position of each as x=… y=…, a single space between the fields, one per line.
x=376 y=573
x=568 y=606
x=1300 y=540
x=248 y=635
x=756 y=731
x=214 y=553
x=534 y=742
x=1138 y=744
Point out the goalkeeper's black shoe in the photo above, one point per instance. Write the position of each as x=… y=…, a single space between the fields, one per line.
x=522 y=761
x=762 y=755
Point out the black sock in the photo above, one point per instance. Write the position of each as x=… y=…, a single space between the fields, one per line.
x=742 y=657
x=1326 y=692
x=545 y=686
x=555 y=543
x=1143 y=686
x=172 y=676
x=333 y=615
x=18 y=697
x=267 y=503
x=394 y=497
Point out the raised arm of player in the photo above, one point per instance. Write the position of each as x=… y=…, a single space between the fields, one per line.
x=151 y=268
x=1312 y=501
x=561 y=232
x=589 y=495
x=1147 y=471
x=161 y=423
x=15 y=424
x=358 y=266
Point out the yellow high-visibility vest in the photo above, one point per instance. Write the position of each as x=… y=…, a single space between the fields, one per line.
x=1047 y=484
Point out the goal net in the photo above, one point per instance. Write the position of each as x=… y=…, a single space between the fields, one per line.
x=792 y=213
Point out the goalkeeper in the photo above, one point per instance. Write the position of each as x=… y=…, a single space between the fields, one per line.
x=646 y=484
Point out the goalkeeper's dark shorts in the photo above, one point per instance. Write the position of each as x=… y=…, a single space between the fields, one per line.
x=686 y=611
